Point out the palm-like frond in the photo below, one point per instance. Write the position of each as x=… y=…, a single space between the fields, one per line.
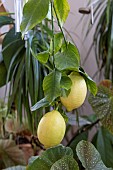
x=24 y=72
x=103 y=36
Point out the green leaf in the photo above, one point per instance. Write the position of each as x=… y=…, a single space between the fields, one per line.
x=102 y=105
x=33 y=13
x=62 y=9
x=68 y=59
x=57 y=42
x=66 y=163
x=5 y=20
x=104 y=144
x=90 y=83
x=16 y=168
x=42 y=103
x=10 y=154
x=49 y=157
x=89 y=156
x=42 y=57
x=65 y=82
x=51 y=85
x=76 y=140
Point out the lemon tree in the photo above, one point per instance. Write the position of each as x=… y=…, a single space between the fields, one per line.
x=66 y=82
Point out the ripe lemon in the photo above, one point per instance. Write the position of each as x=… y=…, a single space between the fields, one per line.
x=51 y=129
x=77 y=94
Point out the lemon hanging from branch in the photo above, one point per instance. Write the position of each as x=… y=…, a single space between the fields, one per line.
x=51 y=129
x=77 y=94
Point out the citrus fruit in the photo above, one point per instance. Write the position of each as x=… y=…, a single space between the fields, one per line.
x=51 y=129
x=77 y=94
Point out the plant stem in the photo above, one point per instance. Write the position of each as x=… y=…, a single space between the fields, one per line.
x=53 y=44
x=60 y=25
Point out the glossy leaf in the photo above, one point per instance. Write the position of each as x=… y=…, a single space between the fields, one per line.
x=104 y=144
x=89 y=156
x=42 y=57
x=62 y=9
x=102 y=105
x=68 y=59
x=65 y=82
x=66 y=163
x=49 y=157
x=42 y=103
x=76 y=140
x=11 y=155
x=51 y=85
x=33 y=13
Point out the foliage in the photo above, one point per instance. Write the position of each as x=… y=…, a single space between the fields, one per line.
x=89 y=156
x=63 y=158
x=46 y=160
x=102 y=105
x=103 y=141
x=32 y=18
x=10 y=154
x=23 y=71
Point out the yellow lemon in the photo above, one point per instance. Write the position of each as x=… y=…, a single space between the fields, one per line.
x=77 y=94
x=51 y=129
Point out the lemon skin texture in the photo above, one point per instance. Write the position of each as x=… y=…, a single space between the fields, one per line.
x=77 y=94
x=51 y=129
